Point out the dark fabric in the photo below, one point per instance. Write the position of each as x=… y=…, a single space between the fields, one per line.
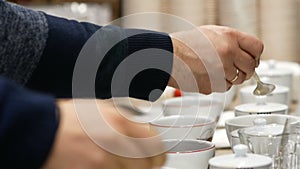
x=65 y=41
x=149 y=84
x=54 y=71
x=23 y=34
x=28 y=124
x=28 y=120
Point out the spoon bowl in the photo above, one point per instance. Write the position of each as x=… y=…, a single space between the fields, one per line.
x=262 y=88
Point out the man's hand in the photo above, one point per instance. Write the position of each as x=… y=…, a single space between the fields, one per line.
x=218 y=57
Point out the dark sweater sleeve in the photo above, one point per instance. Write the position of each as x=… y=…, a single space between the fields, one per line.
x=28 y=123
x=23 y=34
x=66 y=38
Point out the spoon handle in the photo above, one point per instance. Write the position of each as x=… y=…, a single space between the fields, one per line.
x=256 y=77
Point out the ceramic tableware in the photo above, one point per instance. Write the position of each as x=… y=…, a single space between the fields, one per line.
x=294 y=67
x=192 y=105
x=184 y=127
x=236 y=123
x=281 y=95
x=260 y=107
x=240 y=160
x=225 y=98
x=188 y=154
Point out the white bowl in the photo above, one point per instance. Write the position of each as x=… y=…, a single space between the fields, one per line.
x=240 y=159
x=184 y=127
x=188 y=154
x=281 y=95
x=258 y=108
x=225 y=98
x=282 y=77
x=294 y=67
x=192 y=105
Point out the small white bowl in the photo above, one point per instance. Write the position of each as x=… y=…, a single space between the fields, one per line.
x=272 y=72
x=240 y=160
x=257 y=108
x=188 y=154
x=192 y=106
x=284 y=65
x=281 y=95
x=184 y=127
x=225 y=98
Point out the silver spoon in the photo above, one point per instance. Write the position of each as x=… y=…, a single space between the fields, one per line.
x=262 y=88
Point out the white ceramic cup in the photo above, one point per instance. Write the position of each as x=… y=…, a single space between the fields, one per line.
x=283 y=66
x=192 y=105
x=281 y=95
x=240 y=159
x=188 y=154
x=275 y=74
x=226 y=98
x=184 y=127
x=236 y=123
x=261 y=107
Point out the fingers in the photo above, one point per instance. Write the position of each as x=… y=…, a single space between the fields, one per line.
x=135 y=163
x=245 y=58
x=128 y=162
x=158 y=160
x=250 y=45
x=150 y=144
x=145 y=160
x=237 y=78
x=113 y=161
x=138 y=163
x=236 y=72
x=238 y=51
x=245 y=63
x=140 y=144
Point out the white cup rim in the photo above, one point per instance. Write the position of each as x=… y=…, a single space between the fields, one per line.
x=211 y=146
x=196 y=101
x=210 y=121
x=232 y=121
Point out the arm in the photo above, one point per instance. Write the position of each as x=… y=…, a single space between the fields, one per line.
x=66 y=39
x=42 y=51
x=28 y=123
x=212 y=53
x=213 y=57
x=30 y=136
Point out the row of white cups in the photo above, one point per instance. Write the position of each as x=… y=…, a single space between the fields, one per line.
x=189 y=122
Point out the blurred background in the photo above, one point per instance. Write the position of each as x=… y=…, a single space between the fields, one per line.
x=276 y=22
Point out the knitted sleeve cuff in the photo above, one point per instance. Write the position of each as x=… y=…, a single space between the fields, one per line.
x=138 y=66
x=28 y=126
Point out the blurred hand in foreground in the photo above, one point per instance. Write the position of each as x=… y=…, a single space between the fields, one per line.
x=76 y=146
